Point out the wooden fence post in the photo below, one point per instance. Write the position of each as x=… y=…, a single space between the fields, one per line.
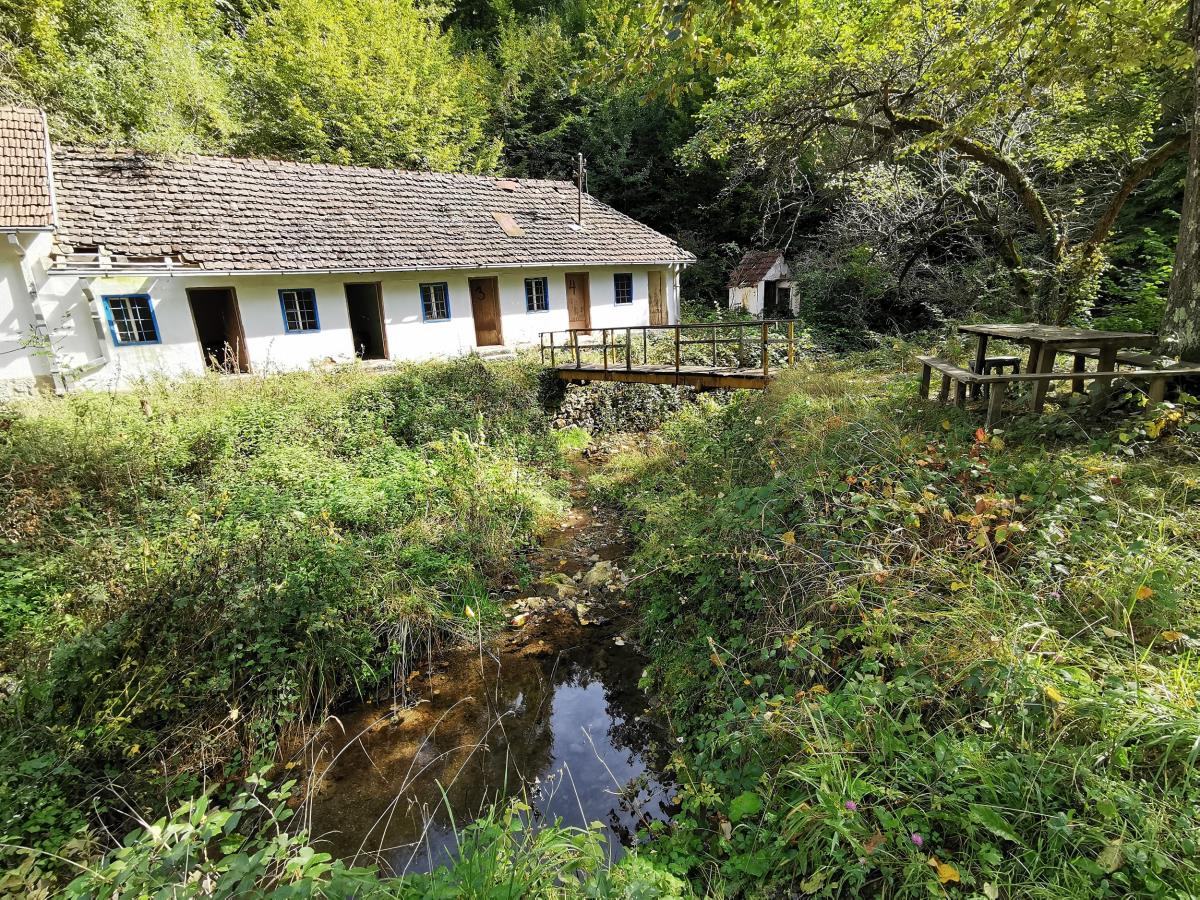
x=766 y=359
x=628 y=349
x=791 y=343
x=575 y=339
x=678 y=328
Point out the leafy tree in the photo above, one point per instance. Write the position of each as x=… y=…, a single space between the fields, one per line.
x=1181 y=319
x=372 y=82
x=1031 y=122
x=132 y=72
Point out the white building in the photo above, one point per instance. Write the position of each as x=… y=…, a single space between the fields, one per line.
x=761 y=284
x=115 y=266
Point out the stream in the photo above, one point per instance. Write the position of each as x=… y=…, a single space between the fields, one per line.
x=549 y=712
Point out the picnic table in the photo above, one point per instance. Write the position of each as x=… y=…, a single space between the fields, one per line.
x=1045 y=342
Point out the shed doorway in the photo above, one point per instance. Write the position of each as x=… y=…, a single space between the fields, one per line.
x=219 y=329
x=364 y=303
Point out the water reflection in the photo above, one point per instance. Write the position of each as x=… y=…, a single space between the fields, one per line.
x=566 y=730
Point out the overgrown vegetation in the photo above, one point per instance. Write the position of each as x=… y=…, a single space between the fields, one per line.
x=193 y=573
x=904 y=656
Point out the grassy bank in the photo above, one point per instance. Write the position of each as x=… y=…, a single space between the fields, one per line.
x=192 y=573
x=904 y=657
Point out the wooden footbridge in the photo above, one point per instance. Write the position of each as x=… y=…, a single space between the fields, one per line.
x=718 y=355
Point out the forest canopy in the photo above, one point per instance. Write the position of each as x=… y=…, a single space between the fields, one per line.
x=918 y=161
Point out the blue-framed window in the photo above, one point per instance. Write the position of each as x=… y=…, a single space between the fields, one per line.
x=131 y=319
x=299 y=307
x=537 y=295
x=623 y=287
x=435 y=302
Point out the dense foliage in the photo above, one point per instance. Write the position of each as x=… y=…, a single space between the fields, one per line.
x=193 y=573
x=904 y=654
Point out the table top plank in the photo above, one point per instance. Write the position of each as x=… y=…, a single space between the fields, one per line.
x=1062 y=336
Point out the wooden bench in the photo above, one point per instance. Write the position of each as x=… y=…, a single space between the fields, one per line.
x=950 y=373
x=1156 y=391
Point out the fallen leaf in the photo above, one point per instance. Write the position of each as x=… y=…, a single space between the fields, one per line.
x=788 y=537
x=726 y=829
x=1112 y=632
x=717 y=661
x=945 y=872
x=1110 y=858
x=980 y=435
x=997 y=443
x=813 y=883
x=991 y=891
x=470 y=612
x=945 y=424
x=1054 y=694
x=958 y=585
x=874 y=842
x=1172 y=636
x=1144 y=592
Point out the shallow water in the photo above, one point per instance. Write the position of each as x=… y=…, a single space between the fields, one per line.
x=566 y=729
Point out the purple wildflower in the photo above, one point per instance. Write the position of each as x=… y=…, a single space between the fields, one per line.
x=916 y=838
x=851 y=805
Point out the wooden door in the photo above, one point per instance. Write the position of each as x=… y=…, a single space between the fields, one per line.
x=658 y=298
x=485 y=309
x=579 y=301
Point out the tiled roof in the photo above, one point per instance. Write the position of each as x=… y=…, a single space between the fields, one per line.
x=753 y=268
x=25 y=198
x=252 y=215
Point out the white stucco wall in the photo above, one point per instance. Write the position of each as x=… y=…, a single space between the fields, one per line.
x=83 y=339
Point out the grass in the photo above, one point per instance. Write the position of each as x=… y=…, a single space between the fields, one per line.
x=900 y=656
x=907 y=657
x=193 y=573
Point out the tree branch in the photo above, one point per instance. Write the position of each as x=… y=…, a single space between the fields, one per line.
x=1143 y=168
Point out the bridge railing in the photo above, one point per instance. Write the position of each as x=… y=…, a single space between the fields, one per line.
x=716 y=345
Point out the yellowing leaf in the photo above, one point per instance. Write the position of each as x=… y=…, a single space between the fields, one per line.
x=946 y=424
x=818 y=689
x=470 y=612
x=945 y=872
x=1172 y=636
x=997 y=443
x=717 y=661
x=1111 y=632
x=1144 y=592
x=1054 y=694
x=958 y=585
x=788 y=537
x=1110 y=858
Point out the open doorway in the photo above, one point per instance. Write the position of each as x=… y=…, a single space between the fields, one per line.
x=219 y=328
x=365 y=304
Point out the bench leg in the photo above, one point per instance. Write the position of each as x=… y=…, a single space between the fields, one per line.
x=926 y=372
x=1045 y=364
x=1158 y=390
x=1080 y=366
x=1107 y=363
x=995 y=403
x=980 y=363
x=944 y=391
x=960 y=394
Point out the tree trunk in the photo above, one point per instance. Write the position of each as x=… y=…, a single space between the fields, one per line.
x=1180 y=332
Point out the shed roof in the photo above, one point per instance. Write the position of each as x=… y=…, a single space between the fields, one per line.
x=227 y=214
x=753 y=267
x=26 y=198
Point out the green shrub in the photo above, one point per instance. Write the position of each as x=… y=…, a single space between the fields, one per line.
x=869 y=621
x=192 y=571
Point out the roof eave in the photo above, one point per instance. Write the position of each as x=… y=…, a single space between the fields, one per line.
x=189 y=271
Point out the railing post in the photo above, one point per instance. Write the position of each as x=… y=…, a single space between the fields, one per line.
x=575 y=340
x=542 y=344
x=714 y=345
x=628 y=349
x=553 y=364
x=766 y=360
x=741 y=330
x=791 y=344
x=646 y=346
x=678 y=328
x=604 y=346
